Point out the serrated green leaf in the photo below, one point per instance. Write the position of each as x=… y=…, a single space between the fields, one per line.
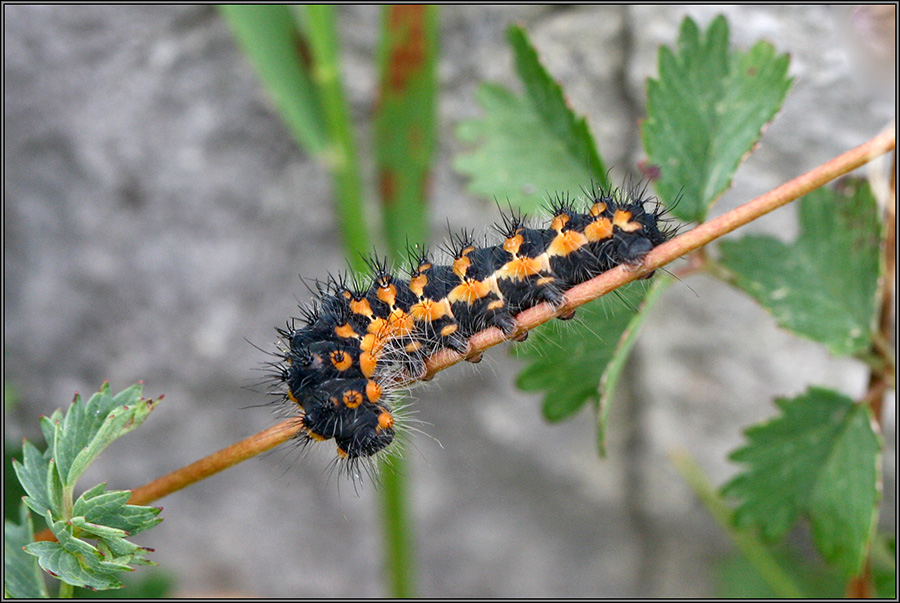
x=96 y=530
x=22 y=578
x=134 y=519
x=555 y=355
x=90 y=427
x=54 y=559
x=118 y=422
x=49 y=426
x=705 y=113
x=32 y=474
x=819 y=459
x=822 y=286
x=531 y=145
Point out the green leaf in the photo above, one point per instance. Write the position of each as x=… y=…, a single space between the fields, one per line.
x=555 y=355
x=528 y=145
x=57 y=561
x=90 y=427
x=32 y=473
x=110 y=509
x=23 y=578
x=823 y=286
x=820 y=458
x=280 y=54
x=706 y=112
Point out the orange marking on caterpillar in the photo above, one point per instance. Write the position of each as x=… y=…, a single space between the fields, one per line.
x=622 y=219
x=469 y=292
x=598 y=230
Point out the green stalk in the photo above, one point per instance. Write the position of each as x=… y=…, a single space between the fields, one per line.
x=756 y=553
x=341 y=155
x=405 y=127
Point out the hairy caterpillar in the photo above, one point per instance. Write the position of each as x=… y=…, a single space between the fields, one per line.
x=364 y=338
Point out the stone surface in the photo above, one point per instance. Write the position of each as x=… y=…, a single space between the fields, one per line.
x=157 y=215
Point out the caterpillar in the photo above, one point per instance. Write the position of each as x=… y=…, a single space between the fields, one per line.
x=363 y=338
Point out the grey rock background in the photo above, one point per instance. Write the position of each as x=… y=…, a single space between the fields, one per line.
x=157 y=214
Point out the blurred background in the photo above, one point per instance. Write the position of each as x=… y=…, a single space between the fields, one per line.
x=158 y=213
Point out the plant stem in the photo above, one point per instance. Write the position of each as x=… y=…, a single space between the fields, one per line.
x=748 y=543
x=66 y=590
x=405 y=126
x=341 y=156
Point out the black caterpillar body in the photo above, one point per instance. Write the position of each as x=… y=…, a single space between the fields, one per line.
x=359 y=342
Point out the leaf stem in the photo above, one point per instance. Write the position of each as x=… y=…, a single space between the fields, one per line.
x=66 y=590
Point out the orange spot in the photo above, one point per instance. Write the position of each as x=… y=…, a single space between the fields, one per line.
x=352 y=398
x=598 y=208
x=449 y=330
x=566 y=242
x=341 y=452
x=428 y=310
x=377 y=325
x=513 y=243
x=387 y=294
x=341 y=360
x=520 y=268
x=462 y=263
x=367 y=364
x=373 y=391
x=559 y=222
x=315 y=436
x=417 y=284
x=469 y=292
x=385 y=420
x=345 y=330
x=413 y=347
x=496 y=304
x=291 y=397
x=598 y=230
x=361 y=307
x=545 y=280
x=622 y=219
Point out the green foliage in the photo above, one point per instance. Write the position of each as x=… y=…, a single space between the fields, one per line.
x=74 y=440
x=528 y=145
x=706 y=111
x=822 y=286
x=820 y=458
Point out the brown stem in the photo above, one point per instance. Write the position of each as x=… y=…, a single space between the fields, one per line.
x=533 y=317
